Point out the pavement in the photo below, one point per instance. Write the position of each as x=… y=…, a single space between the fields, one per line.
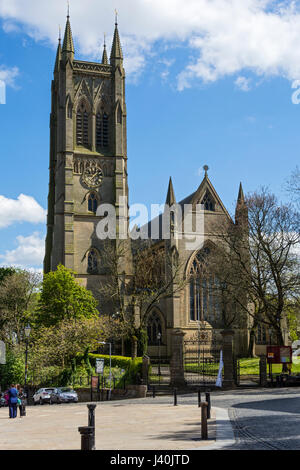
x=249 y=419
x=121 y=425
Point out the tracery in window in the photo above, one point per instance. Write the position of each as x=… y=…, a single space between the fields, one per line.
x=208 y=202
x=92 y=203
x=154 y=327
x=204 y=302
x=261 y=334
x=93 y=261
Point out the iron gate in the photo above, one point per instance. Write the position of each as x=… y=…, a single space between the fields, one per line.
x=159 y=372
x=201 y=360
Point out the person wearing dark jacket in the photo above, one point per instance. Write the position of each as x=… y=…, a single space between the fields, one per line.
x=21 y=402
x=13 y=401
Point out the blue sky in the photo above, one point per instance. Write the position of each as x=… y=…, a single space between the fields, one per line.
x=194 y=97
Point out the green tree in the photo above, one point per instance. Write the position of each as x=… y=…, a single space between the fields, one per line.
x=4 y=272
x=18 y=296
x=13 y=370
x=62 y=298
x=59 y=344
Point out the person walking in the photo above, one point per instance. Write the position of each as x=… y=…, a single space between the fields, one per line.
x=6 y=397
x=21 y=402
x=13 y=401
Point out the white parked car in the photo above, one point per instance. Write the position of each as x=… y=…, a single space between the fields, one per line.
x=43 y=395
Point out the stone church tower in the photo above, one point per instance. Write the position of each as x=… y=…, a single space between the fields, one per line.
x=88 y=156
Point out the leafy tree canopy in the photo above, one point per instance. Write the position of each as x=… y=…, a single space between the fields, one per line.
x=62 y=298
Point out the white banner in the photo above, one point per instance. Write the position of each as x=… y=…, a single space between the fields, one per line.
x=221 y=365
x=2 y=353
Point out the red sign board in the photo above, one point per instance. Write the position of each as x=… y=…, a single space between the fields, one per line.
x=279 y=354
x=95 y=381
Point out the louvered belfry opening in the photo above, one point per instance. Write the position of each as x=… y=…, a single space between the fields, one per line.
x=82 y=126
x=102 y=130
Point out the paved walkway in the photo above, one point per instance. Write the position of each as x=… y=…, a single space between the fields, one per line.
x=260 y=419
x=121 y=425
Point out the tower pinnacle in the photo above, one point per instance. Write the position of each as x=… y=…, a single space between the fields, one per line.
x=116 y=50
x=104 y=56
x=171 y=194
x=68 y=44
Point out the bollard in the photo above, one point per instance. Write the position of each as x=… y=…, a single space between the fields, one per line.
x=199 y=398
x=91 y=420
x=204 y=406
x=153 y=391
x=175 y=396
x=277 y=381
x=86 y=438
x=207 y=398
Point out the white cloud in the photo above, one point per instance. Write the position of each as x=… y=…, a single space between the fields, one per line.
x=223 y=37
x=28 y=254
x=8 y=75
x=243 y=83
x=23 y=209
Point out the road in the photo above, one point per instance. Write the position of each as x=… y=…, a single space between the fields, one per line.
x=261 y=419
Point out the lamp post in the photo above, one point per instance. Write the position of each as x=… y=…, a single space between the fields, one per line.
x=159 y=339
x=270 y=364
x=27 y=334
x=103 y=342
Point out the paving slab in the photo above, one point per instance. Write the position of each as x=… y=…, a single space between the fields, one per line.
x=135 y=425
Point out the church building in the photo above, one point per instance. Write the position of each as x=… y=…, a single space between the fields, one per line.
x=88 y=168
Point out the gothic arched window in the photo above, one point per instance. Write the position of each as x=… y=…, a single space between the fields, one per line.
x=102 y=130
x=154 y=327
x=204 y=302
x=93 y=261
x=208 y=202
x=82 y=126
x=92 y=203
x=261 y=334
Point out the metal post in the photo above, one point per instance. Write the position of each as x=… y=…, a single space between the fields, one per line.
x=207 y=398
x=91 y=420
x=204 y=434
x=86 y=438
x=271 y=373
x=26 y=364
x=153 y=391
x=199 y=398
x=175 y=397
x=109 y=371
x=159 y=371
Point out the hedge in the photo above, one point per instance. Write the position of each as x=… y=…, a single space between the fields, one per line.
x=132 y=367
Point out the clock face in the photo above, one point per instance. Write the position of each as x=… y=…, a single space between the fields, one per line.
x=92 y=176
